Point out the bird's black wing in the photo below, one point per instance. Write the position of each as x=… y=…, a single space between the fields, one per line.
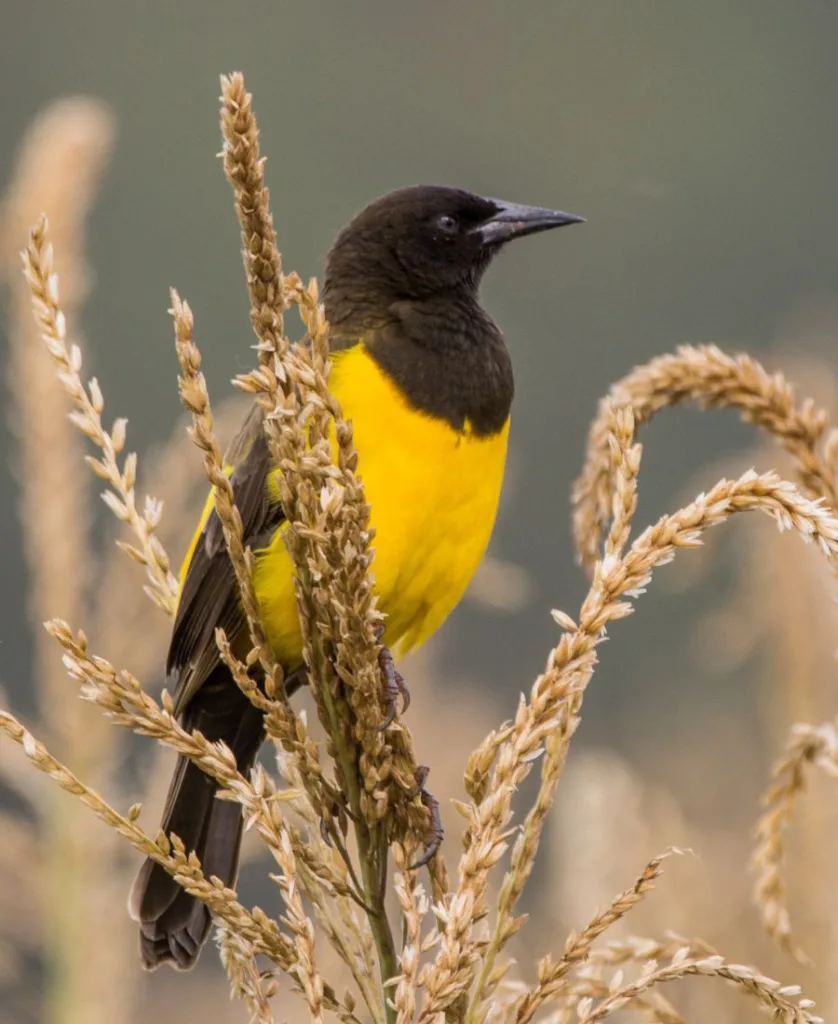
x=209 y=598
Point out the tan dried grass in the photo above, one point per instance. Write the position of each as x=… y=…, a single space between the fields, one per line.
x=713 y=379
x=444 y=956
x=807 y=745
x=58 y=171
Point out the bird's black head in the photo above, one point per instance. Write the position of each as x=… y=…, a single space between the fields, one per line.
x=420 y=242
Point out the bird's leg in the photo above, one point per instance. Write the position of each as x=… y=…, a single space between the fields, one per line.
x=394 y=688
x=393 y=685
x=435 y=835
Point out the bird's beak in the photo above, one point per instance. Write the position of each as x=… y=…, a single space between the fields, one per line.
x=515 y=221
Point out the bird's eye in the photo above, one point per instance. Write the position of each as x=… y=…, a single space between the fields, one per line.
x=447 y=224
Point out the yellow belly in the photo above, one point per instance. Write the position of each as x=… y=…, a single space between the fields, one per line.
x=434 y=495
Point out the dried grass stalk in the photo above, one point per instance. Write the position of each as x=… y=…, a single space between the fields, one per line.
x=244 y=167
x=59 y=170
x=123 y=699
x=552 y=976
x=328 y=530
x=61 y=162
x=280 y=720
x=254 y=927
x=319 y=488
x=414 y=907
x=556 y=697
x=121 y=499
x=779 y=1000
x=246 y=982
x=171 y=855
x=626 y=455
x=808 y=745
x=713 y=379
x=590 y=981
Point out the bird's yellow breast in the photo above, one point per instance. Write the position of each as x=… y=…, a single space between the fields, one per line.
x=433 y=493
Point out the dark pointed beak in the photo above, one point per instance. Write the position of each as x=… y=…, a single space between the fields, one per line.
x=515 y=221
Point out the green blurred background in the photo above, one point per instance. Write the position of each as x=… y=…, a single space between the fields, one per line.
x=699 y=140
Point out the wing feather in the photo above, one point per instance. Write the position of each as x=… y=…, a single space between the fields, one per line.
x=209 y=596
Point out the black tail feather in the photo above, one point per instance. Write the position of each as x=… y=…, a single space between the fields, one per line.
x=174 y=925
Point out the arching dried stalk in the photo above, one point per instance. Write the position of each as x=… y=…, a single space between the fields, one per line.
x=714 y=380
x=808 y=745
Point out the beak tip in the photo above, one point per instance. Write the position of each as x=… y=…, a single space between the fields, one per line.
x=514 y=221
x=570 y=218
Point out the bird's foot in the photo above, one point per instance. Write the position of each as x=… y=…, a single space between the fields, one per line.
x=435 y=834
x=393 y=687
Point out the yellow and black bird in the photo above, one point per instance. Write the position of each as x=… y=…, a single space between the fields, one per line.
x=424 y=375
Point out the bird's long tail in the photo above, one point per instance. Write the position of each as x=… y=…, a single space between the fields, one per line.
x=174 y=925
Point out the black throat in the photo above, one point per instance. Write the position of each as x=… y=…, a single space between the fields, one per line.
x=449 y=359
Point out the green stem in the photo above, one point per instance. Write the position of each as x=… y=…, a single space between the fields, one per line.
x=372 y=861
x=371 y=870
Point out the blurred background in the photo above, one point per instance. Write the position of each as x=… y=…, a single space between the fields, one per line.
x=700 y=142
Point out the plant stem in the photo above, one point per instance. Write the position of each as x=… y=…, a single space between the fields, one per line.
x=373 y=860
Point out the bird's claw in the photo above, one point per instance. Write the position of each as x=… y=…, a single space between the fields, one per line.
x=393 y=688
x=435 y=835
